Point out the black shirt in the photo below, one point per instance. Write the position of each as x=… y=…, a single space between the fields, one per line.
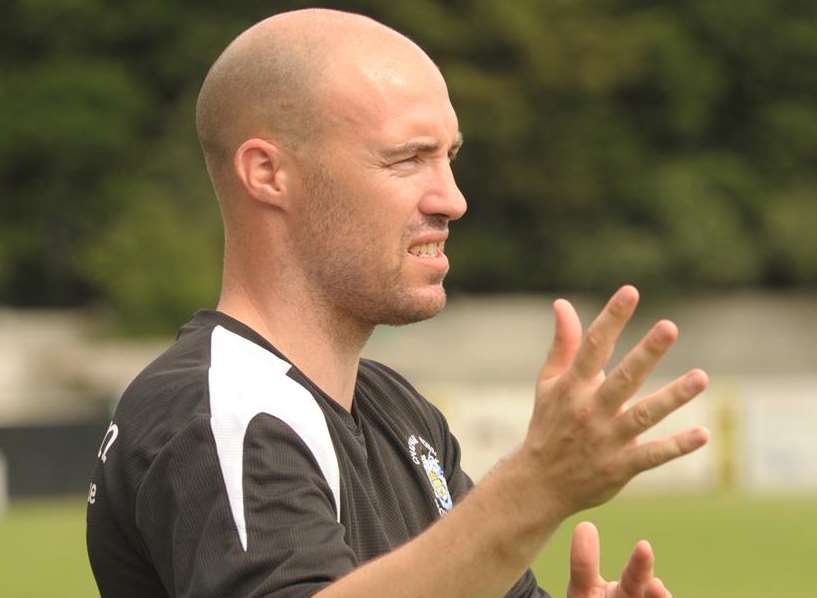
x=227 y=473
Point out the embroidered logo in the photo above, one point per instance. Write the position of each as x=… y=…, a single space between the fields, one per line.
x=422 y=453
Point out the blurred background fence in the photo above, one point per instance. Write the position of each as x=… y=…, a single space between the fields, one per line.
x=477 y=361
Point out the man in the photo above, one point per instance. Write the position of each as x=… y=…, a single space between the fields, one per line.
x=260 y=456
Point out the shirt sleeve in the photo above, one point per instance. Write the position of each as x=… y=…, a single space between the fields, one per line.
x=294 y=543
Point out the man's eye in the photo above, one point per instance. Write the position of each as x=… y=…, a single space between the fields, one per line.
x=407 y=162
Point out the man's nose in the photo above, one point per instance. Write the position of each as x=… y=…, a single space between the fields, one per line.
x=445 y=198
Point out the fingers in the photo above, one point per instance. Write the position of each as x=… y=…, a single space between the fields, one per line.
x=566 y=339
x=639 y=570
x=584 y=558
x=602 y=334
x=624 y=381
x=657 y=452
x=656 y=589
x=651 y=410
x=581 y=437
x=637 y=580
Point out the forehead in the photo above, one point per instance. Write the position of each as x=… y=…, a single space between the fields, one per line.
x=386 y=101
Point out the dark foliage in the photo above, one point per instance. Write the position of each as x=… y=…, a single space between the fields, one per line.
x=670 y=144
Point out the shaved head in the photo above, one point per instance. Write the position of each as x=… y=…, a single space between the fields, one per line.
x=328 y=138
x=271 y=81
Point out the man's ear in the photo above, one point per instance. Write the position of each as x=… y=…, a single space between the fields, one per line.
x=260 y=168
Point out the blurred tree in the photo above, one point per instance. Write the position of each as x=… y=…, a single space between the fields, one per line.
x=669 y=144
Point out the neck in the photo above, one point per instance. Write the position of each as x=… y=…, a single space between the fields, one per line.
x=323 y=344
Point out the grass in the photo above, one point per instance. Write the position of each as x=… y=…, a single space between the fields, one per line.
x=42 y=550
x=707 y=547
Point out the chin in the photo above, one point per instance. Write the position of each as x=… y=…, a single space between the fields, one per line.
x=416 y=306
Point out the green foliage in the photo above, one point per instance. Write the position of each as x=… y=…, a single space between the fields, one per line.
x=671 y=144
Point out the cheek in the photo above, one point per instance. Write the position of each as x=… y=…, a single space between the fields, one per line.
x=378 y=215
x=387 y=228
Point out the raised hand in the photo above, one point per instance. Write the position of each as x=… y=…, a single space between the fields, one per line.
x=637 y=579
x=582 y=439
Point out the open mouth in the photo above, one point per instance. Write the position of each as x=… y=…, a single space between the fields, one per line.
x=428 y=249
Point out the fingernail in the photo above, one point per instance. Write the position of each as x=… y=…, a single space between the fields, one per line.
x=667 y=331
x=625 y=297
x=696 y=382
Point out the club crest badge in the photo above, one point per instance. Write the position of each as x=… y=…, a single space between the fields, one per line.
x=422 y=453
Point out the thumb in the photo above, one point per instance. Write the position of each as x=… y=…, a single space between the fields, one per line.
x=584 y=561
x=567 y=337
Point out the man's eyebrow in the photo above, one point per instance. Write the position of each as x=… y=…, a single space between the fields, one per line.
x=425 y=145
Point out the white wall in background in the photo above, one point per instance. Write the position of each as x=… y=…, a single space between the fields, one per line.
x=779 y=434
x=764 y=433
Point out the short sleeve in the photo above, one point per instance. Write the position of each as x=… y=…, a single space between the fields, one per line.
x=294 y=543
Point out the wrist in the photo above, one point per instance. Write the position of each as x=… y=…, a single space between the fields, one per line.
x=527 y=506
x=541 y=494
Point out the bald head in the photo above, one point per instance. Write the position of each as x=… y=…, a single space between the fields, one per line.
x=329 y=139
x=272 y=80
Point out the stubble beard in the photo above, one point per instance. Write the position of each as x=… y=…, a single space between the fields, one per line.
x=347 y=269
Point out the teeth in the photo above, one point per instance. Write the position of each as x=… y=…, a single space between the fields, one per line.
x=427 y=249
